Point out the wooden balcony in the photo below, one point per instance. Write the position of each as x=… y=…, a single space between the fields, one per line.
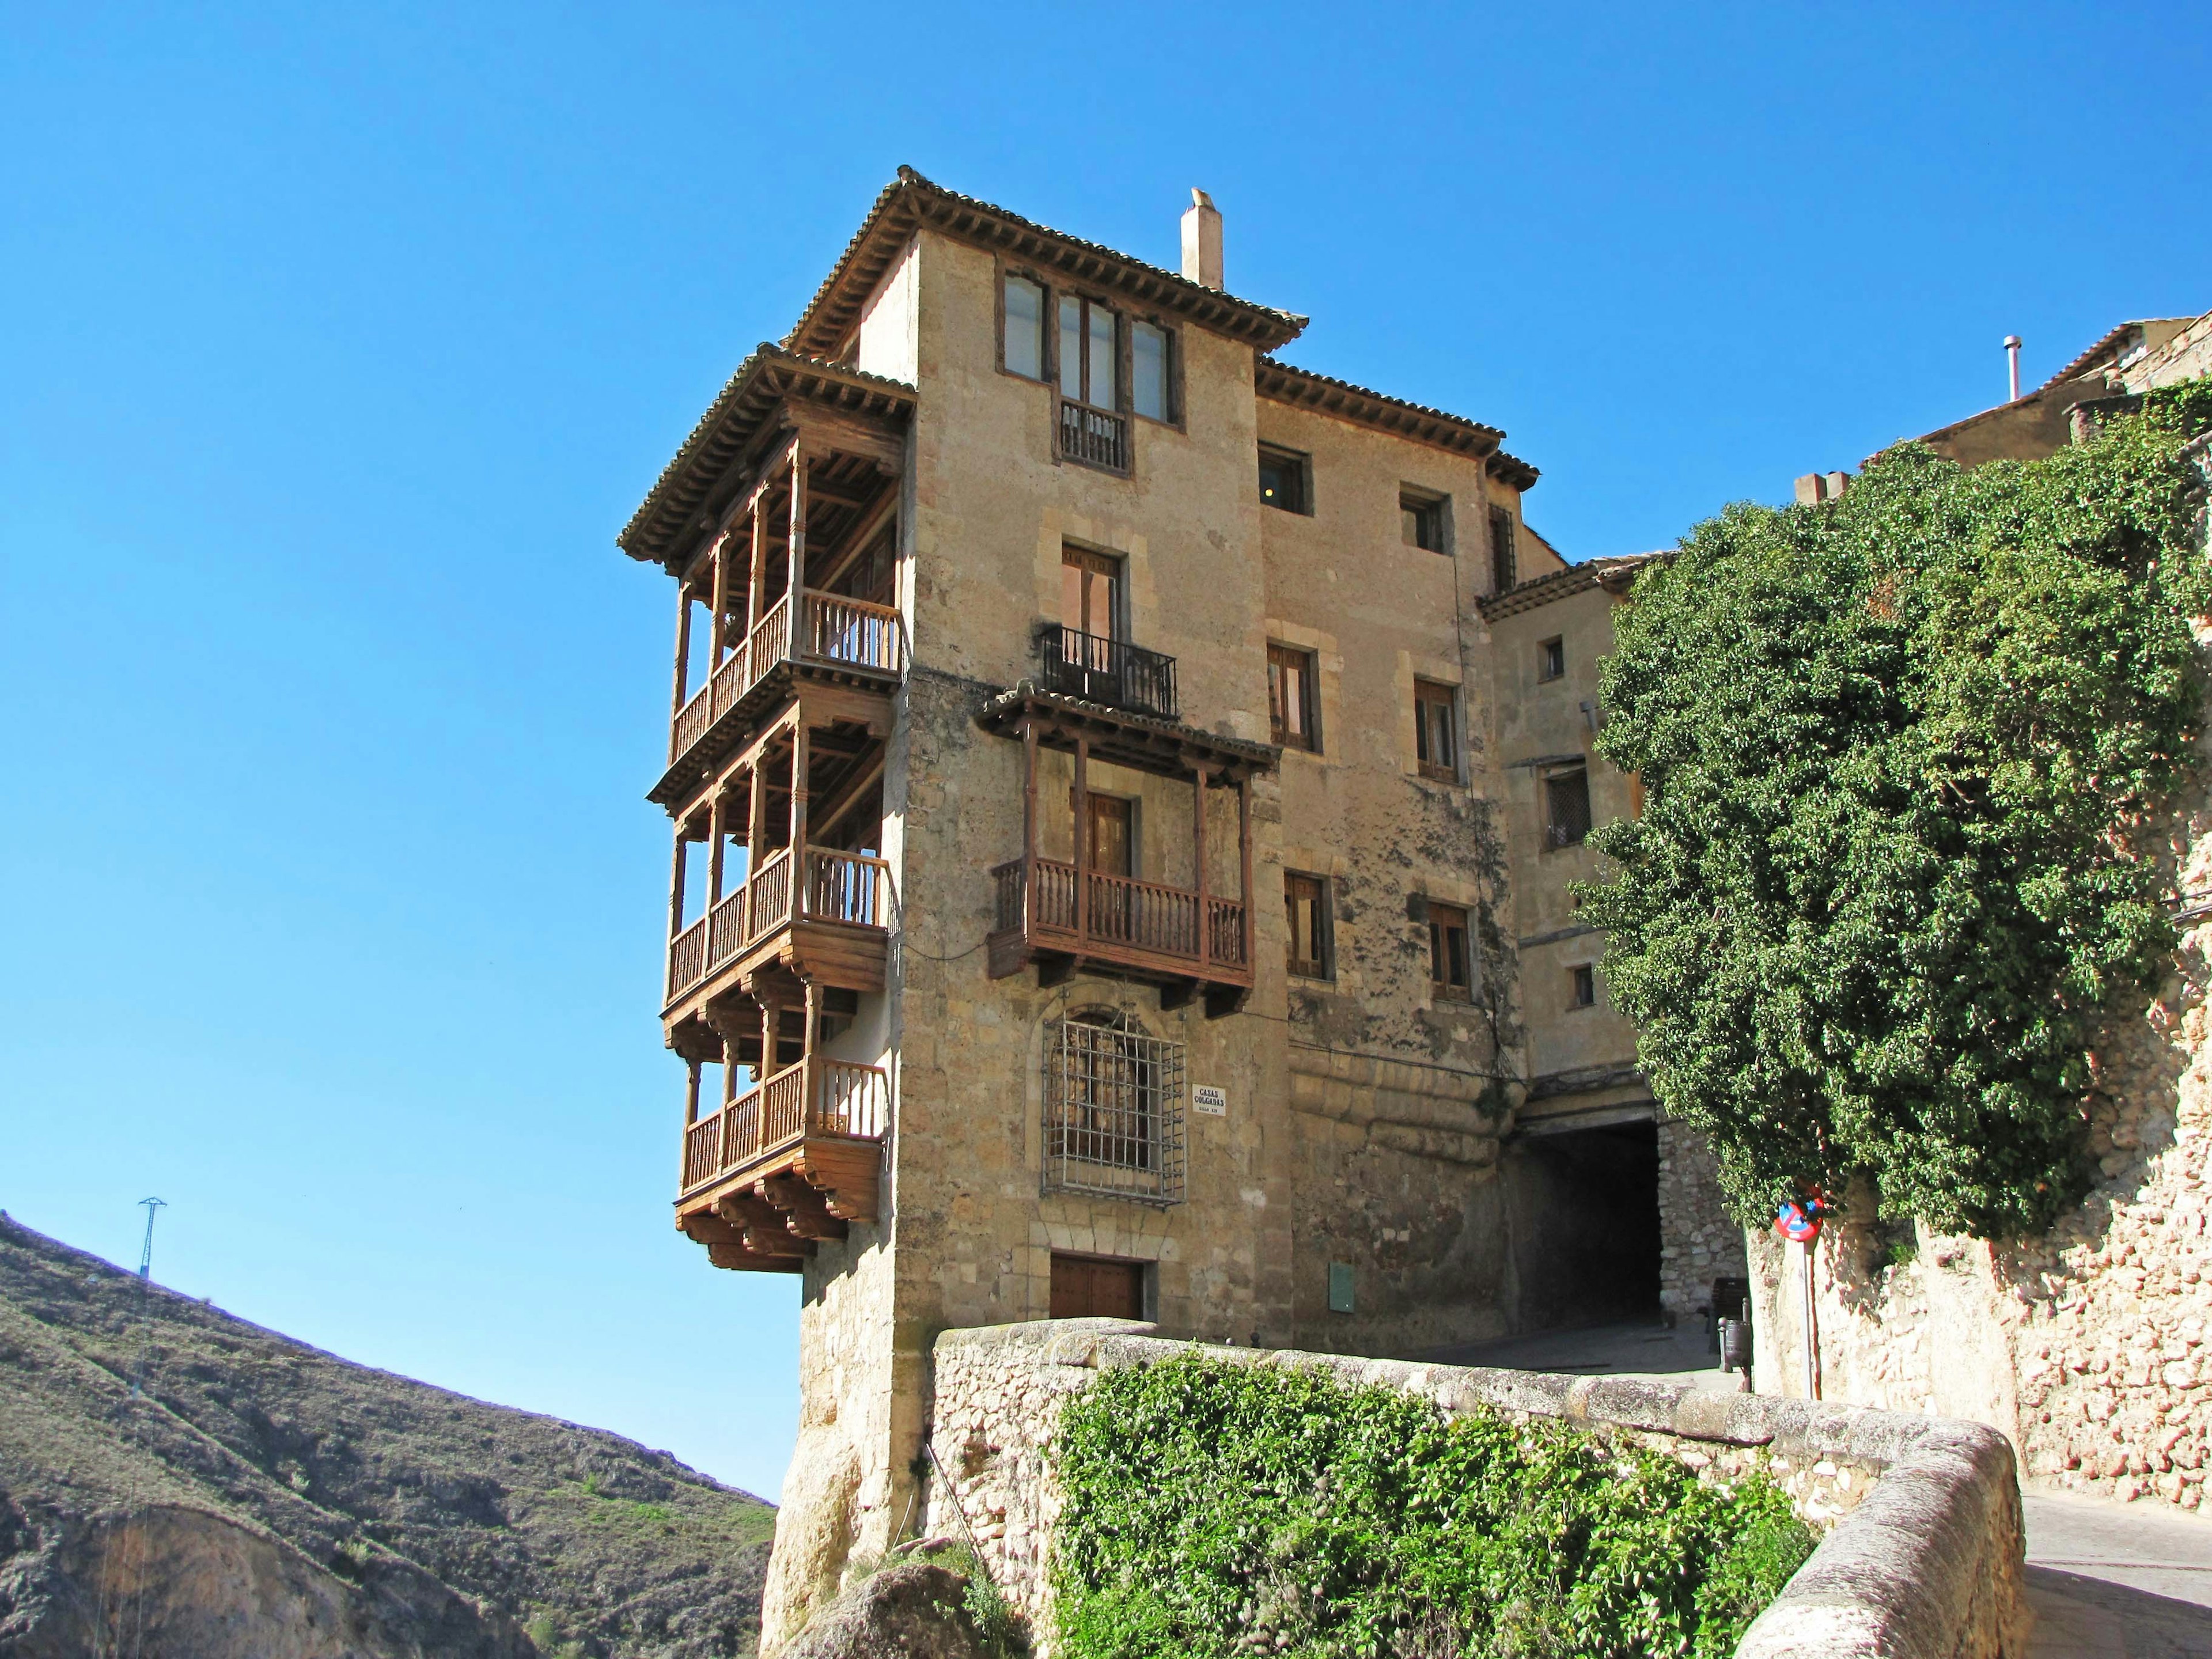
x=835 y=923
x=789 y=1162
x=1096 y=437
x=846 y=640
x=1106 y=921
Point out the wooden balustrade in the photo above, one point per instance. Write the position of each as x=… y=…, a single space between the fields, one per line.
x=687 y=958
x=852 y=889
x=847 y=887
x=1122 y=916
x=854 y=633
x=726 y=930
x=1224 y=923
x=817 y=1097
x=770 y=888
x=1094 y=436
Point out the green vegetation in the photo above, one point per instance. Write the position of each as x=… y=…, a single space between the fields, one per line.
x=1905 y=759
x=1215 y=1510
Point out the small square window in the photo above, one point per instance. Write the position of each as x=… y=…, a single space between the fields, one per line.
x=1305 y=902
x=1551 y=660
x=1582 y=986
x=1436 y=730
x=1421 y=518
x=1450 y=971
x=1566 y=808
x=1293 y=706
x=1283 y=479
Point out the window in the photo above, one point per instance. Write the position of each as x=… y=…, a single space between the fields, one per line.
x=1582 y=986
x=1502 y=575
x=1149 y=377
x=1088 y=353
x=1292 y=711
x=1436 y=730
x=1422 y=516
x=1025 y=328
x=1097 y=1287
x=1091 y=592
x=1283 y=479
x=1566 y=808
x=1305 y=901
x=1450 y=978
x=1551 y=660
x=1113 y=1109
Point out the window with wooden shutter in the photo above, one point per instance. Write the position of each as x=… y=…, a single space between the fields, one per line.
x=1292 y=705
x=1436 y=730
x=1421 y=519
x=1452 y=977
x=1305 y=904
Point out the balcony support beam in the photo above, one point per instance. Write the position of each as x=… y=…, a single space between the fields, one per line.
x=718 y=635
x=795 y=590
x=1082 y=840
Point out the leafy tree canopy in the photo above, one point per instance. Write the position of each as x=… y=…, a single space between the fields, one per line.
x=1905 y=759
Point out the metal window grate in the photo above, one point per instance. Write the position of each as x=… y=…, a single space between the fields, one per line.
x=1113 y=1113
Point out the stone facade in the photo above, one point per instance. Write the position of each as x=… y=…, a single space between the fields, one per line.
x=1923 y=1542
x=1698 y=1240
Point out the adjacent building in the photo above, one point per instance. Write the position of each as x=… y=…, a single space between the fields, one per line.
x=1125 y=791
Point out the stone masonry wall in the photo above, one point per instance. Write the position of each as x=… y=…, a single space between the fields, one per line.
x=1923 y=1542
x=1698 y=1241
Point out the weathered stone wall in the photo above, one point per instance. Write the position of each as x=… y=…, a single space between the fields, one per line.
x=1922 y=1554
x=1699 y=1241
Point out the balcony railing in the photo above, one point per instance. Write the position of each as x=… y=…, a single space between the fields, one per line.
x=836 y=629
x=818 y=1097
x=1094 y=436
x=1140 y=923
x=1111 y=671
x=849 y=888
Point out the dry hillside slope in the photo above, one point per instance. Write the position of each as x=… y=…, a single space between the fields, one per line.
x=264 y=1498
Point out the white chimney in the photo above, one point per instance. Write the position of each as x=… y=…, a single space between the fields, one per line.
x=1201 y=240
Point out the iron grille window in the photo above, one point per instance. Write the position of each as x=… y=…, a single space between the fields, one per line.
x=1502 y=573
x=1567 y=808
x=1113 y=1113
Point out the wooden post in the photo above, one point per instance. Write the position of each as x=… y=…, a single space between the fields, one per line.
x=690 y=1092
x=676 y=889
x=808 y=1084
x=1082 y=803
x=756 y=578
x=1029 y=819
x=1244 y=860
x=1198 y=775
x=798 y=814
x=797 y=621
x=769 y=1022
x=714 y=839
x=683 y=654
x=719 y=635
x=729 y=1075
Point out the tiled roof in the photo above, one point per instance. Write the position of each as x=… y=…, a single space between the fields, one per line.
x=2107 y=347
x=910 y=200
x=656 y=530
x=1512 y=469
x=1612 y=574
x=1284 y=384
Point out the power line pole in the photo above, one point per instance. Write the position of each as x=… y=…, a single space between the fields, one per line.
x=152 y=1208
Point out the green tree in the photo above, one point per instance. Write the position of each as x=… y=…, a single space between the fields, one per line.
x=1905 y=762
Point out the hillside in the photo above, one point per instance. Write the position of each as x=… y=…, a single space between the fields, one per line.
x=266 y=1499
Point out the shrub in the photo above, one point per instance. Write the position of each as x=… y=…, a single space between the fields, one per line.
x=1216 y=1509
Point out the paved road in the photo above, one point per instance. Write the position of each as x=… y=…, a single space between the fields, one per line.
x=1645 y=1348
x=2117 y=1581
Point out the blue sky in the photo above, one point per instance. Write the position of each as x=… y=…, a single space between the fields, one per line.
x=340 y=341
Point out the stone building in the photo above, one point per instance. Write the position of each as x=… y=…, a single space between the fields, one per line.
x=2091 y=1347
x=1124 y=810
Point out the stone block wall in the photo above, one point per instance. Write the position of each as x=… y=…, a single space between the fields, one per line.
x=1923 y=1545
x=1699 y=1241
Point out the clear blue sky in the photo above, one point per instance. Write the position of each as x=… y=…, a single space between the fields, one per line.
x=339 y=342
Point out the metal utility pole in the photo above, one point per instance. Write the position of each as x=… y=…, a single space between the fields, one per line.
x=152 y=1208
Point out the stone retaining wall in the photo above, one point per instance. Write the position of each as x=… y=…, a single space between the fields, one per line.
x=1921 y=1559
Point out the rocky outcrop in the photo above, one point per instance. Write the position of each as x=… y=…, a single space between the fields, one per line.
x=910 y=1611
x=259 y=1493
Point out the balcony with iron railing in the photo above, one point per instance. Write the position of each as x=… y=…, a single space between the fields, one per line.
x=845 y=635
x=844 y=893
x=1114 y=672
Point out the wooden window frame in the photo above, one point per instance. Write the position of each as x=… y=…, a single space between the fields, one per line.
x=1551 y=660
x=1302 y=464
x=1047 y=336
x=1310 y=699
x=1426 y=694
x=1322 y=966
x=1428 y=505
x=1442 y=989
x=1174 y=420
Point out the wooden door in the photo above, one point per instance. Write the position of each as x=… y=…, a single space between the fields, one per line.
x=1088 y=1287
x=1112 y=847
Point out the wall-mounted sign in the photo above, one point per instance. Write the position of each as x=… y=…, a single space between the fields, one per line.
x=1203 y=1098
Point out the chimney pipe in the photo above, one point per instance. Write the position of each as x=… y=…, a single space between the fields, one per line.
x=2012 y=361
x=1201 y=240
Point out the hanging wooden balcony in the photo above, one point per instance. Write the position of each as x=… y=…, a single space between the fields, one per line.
x=834 y=922
x=1098 y=920
x=847 y=639
x=790 y=1161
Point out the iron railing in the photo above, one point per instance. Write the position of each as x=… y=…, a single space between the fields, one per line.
x=1111 y=671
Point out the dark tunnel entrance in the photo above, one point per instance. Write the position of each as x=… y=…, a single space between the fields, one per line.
x=1585 y=1219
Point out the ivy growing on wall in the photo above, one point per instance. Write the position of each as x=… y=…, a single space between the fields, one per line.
x=1217 y=1511
x=1906 y=763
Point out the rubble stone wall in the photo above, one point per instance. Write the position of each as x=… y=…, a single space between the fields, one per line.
x=1923 y=1545
x=1698 y=1240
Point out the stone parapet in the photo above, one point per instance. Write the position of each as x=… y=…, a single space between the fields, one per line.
x=1923 y=1545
